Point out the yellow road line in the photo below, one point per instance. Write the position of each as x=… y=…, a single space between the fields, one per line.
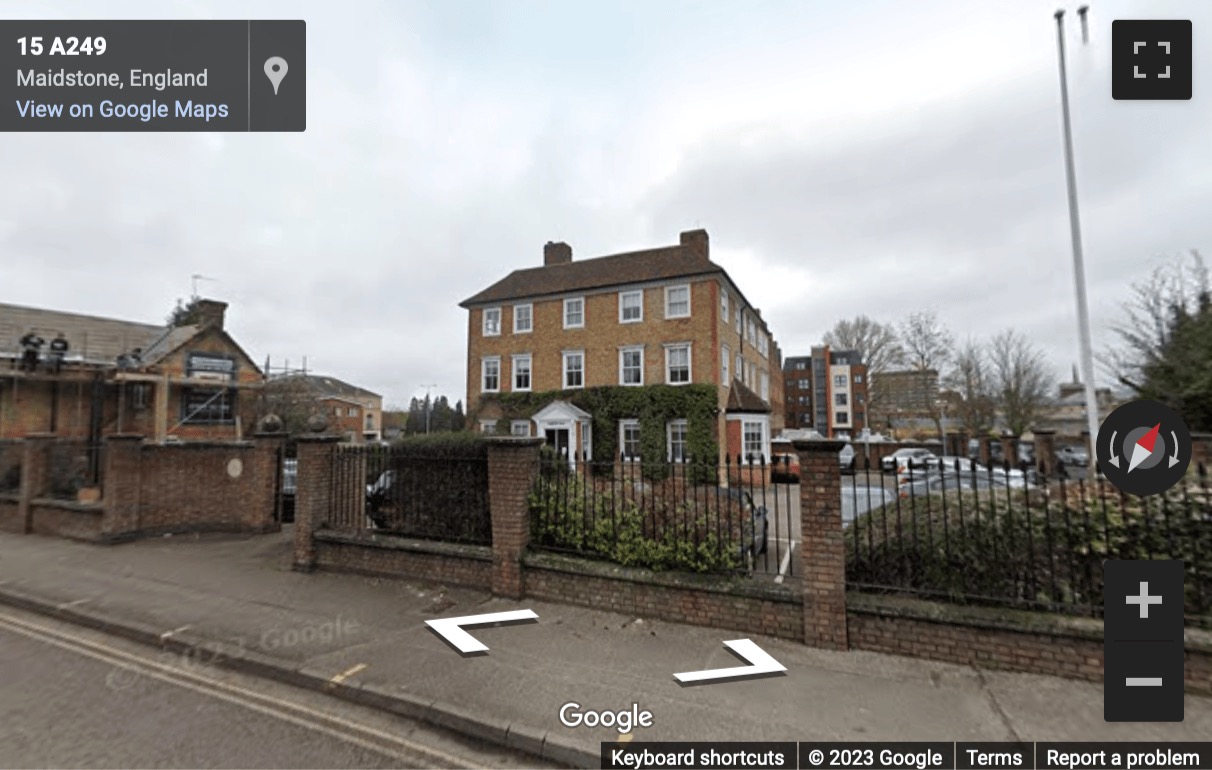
x=300 y=715
x=341 y=677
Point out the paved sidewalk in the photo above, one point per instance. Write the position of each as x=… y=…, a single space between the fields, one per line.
x=239 y=595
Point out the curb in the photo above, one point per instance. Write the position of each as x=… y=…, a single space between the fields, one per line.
x=516 y=737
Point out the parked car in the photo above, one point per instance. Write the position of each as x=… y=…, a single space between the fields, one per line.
x=378 y=495
x=898 y=458
x=785 y=469
x=857 y=500
x=755 y=526
x=1073 y=455
x=846 y=458
x=914 y=469
x=977 y=477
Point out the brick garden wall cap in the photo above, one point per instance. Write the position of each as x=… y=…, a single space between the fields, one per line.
x=207 y=444
x=325 y=438
x=818 y=444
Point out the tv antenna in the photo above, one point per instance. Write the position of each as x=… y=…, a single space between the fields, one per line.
x=193 y=279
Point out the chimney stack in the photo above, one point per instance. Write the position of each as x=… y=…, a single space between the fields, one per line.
x=210 y=313
x=557 y=253
x=696 y=242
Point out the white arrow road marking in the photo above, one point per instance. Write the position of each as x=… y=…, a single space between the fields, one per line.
x=760 y=664
x=1174 y=459
x=450 y=628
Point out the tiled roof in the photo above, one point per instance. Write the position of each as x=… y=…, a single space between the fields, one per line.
x=168 y=341
x=91 y=338
x=597 y=273
x=323 y=386
x=742 y=399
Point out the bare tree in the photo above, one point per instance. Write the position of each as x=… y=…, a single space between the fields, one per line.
x=1022 y=380
x=877 y=343
x=292 y=400
x=878 y=346
x=928 y=345
x=971 y=377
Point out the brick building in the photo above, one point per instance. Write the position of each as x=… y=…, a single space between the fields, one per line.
x=904 y=398
x=666 y=316
x=351 y=411
x=826 y=392
x=186 y=383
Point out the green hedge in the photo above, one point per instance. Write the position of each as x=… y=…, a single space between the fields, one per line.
x=1009 y=550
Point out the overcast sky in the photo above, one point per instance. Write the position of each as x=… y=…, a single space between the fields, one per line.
x=845 y=157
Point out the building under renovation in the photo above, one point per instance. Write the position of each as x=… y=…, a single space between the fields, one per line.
x=183 y=383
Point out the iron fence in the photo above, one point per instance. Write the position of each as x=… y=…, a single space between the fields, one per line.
x=72 y=466
x=696 y=515
x=1017 y=536
x=410 y=492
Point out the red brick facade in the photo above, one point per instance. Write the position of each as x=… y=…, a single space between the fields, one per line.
x=598 y=284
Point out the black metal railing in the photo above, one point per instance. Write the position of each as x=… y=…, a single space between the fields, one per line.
x=408 y=492
x=1018 y=536
x=72 y=466
x=696 y=515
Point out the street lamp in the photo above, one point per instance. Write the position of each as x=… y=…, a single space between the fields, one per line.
x=428 y=405
x=1075 y=231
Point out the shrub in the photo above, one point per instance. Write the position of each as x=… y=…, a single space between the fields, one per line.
x=1021 y=550
x=653 y=529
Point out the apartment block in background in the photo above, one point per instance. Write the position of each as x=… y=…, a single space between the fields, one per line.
x=826 y=392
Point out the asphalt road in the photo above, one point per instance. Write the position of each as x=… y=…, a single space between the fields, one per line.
x=72 y=697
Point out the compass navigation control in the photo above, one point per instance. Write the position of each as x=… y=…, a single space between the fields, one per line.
x=1144 y=448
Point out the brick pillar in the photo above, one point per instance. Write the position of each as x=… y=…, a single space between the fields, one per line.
x=1045 y=451
x=264 y=513
x=121 y=484
x=987 y=451
x=35 y=459
x=1010 y=450
x=512 y=465
x=956 y=445
x=1201 y=449
x=313 y=491
x=822 y=551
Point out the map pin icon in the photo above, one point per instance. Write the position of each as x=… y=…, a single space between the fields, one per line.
x=275 y=70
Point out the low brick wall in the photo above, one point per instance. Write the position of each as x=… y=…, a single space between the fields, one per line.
x=62 y=518
x=191 y=487
x=149 y=489
x=732 y=603
x=370 y=554
x=816 y=609
x=10 y=514
x=1007 y=640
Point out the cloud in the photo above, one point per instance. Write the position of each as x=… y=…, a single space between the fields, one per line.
x=872 y=158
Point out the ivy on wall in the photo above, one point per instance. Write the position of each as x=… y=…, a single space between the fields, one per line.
x=652 y=405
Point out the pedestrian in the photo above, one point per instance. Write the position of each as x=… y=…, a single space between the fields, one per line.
x=58 y=350
x=31 y=346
